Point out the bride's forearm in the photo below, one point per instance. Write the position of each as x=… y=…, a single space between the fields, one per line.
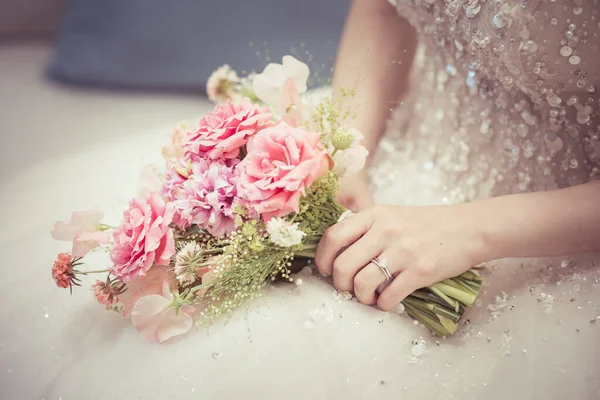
x=541 y=224
x=374 y=59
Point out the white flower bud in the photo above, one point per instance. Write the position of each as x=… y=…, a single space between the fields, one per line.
x=342 y=139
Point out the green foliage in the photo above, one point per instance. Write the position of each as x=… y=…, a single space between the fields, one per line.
x=319 y=209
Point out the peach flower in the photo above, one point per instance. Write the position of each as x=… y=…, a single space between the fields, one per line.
x=63 y=272
x=84 y=230
x=151 y=283
x=160 y=317
x=107 y=292
x=143 y=239
x=282 y=162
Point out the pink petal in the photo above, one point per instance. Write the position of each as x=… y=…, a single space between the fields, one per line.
x=63 y=231
x=166 y=249
x=151 y=283
x=86 y=219
x=289 y=96
x=173 y=324
x=147 y=314
x=81 y=248
x=292 y=118
x=156 y=321
x=100 y=237
x=166 y=290
x=84 y=242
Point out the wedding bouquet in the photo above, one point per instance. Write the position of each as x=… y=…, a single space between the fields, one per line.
x=244 y=199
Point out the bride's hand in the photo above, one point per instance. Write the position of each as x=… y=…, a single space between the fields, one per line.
x=422 y=245
x=354 y=193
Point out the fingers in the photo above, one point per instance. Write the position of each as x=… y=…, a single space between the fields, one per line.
x=339 y=236
x=353 y=259
x=371 y=277
x=404 y=284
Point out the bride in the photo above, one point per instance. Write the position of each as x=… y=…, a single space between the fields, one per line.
x=493 y=153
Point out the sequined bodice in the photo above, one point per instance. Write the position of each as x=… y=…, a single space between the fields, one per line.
x=504 y=96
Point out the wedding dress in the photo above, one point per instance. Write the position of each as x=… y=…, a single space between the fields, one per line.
x=503 y=100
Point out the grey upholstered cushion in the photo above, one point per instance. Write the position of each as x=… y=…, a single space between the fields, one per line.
x=176 y=44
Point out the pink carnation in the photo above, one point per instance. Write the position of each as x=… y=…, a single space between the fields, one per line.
x=62 y=271
x=177 y=174
x=143 y=239
x=205 y=198
x=105 y=293
x=223 y=132
x=282 y=162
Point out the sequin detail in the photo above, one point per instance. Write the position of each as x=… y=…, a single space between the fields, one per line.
x=504 y=97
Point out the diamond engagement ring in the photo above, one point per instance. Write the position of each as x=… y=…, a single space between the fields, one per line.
x=383 y=266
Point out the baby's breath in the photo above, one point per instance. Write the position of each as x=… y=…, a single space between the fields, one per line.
x=248 y=262
x=331 y=116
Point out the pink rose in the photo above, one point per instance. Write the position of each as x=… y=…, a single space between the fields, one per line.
x=176 y=175
x=143 y=239
x=223 y=132
x=282 y=162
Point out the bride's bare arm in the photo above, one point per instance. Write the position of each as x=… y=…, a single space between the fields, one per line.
x=374 y=59
x=428 y=244
x=541 y=224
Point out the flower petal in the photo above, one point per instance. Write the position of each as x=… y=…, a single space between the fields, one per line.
x=297 y=70
x=147 y=315
x=84 y=242
x=173 y=324
x=86 y=219
x=63 y=231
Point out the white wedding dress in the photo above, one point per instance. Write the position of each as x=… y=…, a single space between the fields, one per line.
x=503 y=100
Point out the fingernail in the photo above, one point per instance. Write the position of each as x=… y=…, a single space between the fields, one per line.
x=399 y=309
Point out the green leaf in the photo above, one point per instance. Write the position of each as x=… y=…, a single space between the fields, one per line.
x=435 y=326
x=442 y=295
x=448 y=324
x=463 y=296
